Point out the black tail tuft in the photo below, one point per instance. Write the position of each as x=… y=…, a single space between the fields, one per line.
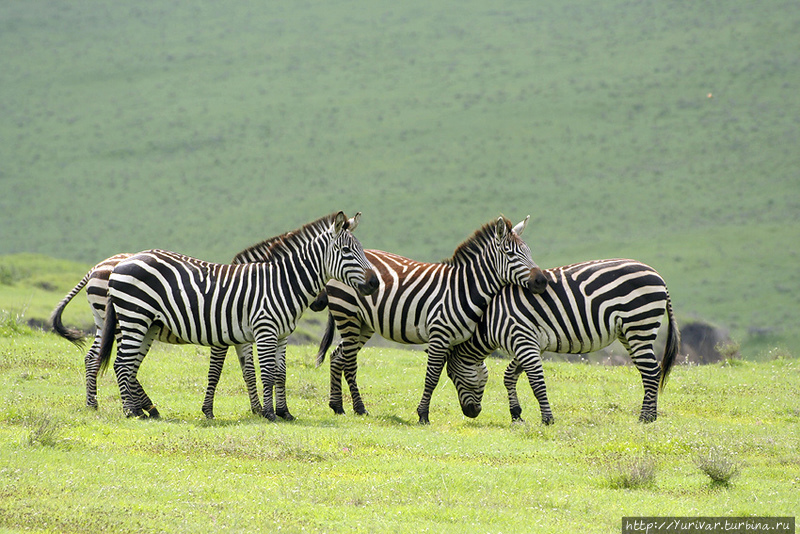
x=327 y=339
x=71 y=334
x=107 y=338
x=672 y=347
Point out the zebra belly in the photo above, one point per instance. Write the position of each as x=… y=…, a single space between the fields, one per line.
x=408 y=332
x=558 y=342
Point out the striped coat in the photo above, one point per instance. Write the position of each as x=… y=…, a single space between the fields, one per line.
x=585 y=307
x=417 y=302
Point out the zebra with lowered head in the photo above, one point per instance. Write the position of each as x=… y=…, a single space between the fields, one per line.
x=223 y=305
x=434 y=303
x=585 y=307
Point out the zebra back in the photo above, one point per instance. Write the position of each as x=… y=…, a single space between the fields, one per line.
x=456 y=290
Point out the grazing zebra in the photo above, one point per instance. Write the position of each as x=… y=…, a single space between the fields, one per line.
x=96 y=283
x=434 y=303
x=585 y=307
x=222 y=305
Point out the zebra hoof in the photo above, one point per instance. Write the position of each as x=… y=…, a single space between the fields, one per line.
x=647 y=418
x=268 y=414
x=423 y=418
x=549 y=420
x=137 y=412
x=285 y=415
x=209 y=414
x=153 y=413
x=360 y=410
x=337 y=408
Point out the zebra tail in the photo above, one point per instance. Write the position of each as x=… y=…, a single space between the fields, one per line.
x=107 y=338
x=75 y=336
x=672 y=347
x=327 y=339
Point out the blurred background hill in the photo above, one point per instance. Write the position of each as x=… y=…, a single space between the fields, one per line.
x=663 y=131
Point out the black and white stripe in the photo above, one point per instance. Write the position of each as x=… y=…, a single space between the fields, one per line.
x=434 y=303
x=585 y=307
x=96 y=283
x=223 y=305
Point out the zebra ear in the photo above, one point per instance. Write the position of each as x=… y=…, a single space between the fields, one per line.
x=501 y=229
x=352 y=224
x=519 y=228
x=339 y=223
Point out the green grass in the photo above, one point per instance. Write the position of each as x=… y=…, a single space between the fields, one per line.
x=205 y=128
x=64 y=468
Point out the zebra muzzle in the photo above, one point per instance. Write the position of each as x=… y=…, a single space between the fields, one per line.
x=371 y=283
x=471 y=410
x=537 y=282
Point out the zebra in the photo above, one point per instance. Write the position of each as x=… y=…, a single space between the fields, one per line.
x=585 y=307
x=434 y=303
x=222 y=305
x=96 y=283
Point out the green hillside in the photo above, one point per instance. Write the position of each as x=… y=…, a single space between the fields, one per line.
x=664 y=131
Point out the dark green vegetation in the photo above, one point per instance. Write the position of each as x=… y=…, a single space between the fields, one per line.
x=64 y=468
x=664 y=131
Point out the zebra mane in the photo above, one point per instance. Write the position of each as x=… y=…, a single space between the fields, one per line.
x=282 y=245
x=476 y=244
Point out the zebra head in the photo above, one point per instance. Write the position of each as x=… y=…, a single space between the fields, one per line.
x=469 y=376
x=345 y=259
x=514 y=262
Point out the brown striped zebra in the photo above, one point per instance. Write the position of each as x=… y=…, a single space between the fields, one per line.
x=417 y=302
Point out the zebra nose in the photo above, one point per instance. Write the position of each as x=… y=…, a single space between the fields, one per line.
x=371 y=284
x=537 y=283
x=471 y=410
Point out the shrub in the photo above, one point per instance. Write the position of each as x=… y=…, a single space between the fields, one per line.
x=635 y=473
x=717 y=465
x=45 y=430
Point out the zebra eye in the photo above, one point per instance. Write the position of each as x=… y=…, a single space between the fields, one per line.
x=346 y=249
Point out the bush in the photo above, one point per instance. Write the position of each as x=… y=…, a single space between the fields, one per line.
x=718 y=465
x=636 y=473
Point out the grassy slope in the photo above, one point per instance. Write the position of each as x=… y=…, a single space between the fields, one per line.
x=204 y=128
x=63 y=468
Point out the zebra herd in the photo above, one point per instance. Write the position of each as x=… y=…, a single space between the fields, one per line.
x=489 y=295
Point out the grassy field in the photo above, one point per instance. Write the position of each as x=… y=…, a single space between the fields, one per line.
x=663 y=131
x=64 y=468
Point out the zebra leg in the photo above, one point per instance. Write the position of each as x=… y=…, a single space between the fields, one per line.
x=245 y=355
x=644 y=358
x=531 y=362
x=216 y=363
x=510 y=378
x=92 y=365
x=336 y=371
x=437 y=355
x=350 y=372
x=143 y=401
x=130 y=353
x=344 y=360
x=281 y=407
x=266 y=345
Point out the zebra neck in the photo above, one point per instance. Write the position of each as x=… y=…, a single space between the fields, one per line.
x=305 y=274
x=480 y=283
